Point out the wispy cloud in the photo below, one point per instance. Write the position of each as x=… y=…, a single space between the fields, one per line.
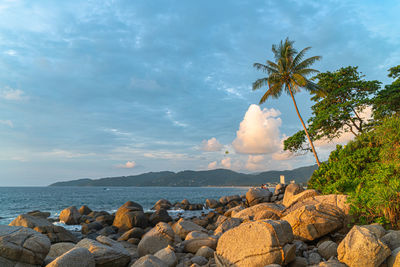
x=10 y=52
x=12 y=94
x=170 y=116
x=7 y=122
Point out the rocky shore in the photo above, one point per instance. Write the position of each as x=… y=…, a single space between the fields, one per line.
x=290 y=227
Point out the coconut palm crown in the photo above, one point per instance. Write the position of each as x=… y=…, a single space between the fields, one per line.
x=288 y=73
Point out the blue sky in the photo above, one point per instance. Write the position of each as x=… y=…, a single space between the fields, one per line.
x=109 y=88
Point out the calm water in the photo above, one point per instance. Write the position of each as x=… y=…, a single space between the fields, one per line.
x=18 y=200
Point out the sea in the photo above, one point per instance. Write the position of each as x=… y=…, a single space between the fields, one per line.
x=18 y=200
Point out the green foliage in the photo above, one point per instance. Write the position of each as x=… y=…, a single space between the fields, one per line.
x=387 y=101
x=296 y=143
x=343 y=96
x=368 y=170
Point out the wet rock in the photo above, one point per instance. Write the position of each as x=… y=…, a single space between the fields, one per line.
x=38 y=213
x=162 y=204
x=29 y=221
x=70 y=216
x=160 y=215
x=84 y=210
x=130 y=215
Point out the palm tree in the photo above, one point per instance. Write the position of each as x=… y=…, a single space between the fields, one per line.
x=288 y=73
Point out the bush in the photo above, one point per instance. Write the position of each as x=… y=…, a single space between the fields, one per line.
x=368 y=170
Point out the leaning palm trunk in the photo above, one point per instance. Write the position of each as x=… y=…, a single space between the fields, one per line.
x=305 y=128
x=288 y=73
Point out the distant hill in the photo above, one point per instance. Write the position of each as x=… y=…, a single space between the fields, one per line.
x=219 y=177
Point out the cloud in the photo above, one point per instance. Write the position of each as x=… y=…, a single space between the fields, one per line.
x=170 y=116
x=254 y=162
x=7 y=122
x=212 y=165
x=127 y=165
x=211 y=145
x=258 y=132
x=11 y=52
x=226 y=163
x=66 y=154
x=12 y=94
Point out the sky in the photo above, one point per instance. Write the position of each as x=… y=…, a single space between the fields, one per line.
x=92 y=89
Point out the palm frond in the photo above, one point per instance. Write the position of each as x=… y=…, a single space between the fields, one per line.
x=264 y=68
x=299 y=57
x=299 y=80
x=306 y=63
x=306 y=72
x=260 y=83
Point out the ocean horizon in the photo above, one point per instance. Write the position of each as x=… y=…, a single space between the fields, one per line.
x=19 y=200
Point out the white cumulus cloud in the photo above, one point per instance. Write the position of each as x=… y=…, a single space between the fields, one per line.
x=127 y=165
x=254 y=162
x=212 y=165
x=226 y=163
x=211 y=145
x=258 y=132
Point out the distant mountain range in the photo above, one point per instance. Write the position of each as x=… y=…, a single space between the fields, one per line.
x=219 y=177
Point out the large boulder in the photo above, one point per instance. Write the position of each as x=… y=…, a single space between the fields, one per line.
x=84 y=210
x=162 y=204
x=311 y=222
x=258 y=195
x=58 y=249
x=394 y=259
x=56 y=233
x=70 y=215
x=183 y=227
x=38 y=213
x=149 y=261
x=291 y=190
x=167 y=255
x=20 y=246
x=157 y=238
x=289 y=200
x=106 y=252
x=327 y=249
x=225 y=224
x=257 y=244
x=392 y=239
x=362 y=248
x=160 y=215
x=339 y=201
x=212 y=203
x=135 y=232
x=75 y=257
x=195 y=240
x=261 y=211
x=130 y=215
x=30 y=221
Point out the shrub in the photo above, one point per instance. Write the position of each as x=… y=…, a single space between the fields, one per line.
x=368 y=170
